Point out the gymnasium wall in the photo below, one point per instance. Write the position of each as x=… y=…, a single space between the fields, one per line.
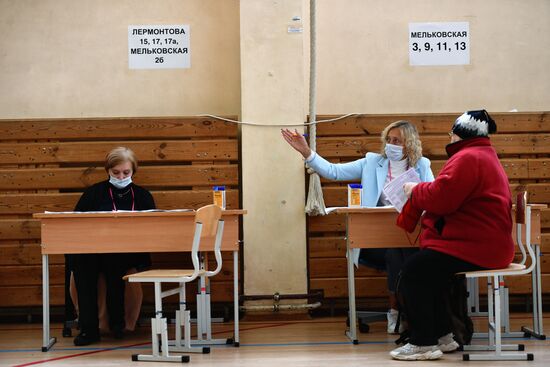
x=69 y=59
x=65 y=58
x=363 y=59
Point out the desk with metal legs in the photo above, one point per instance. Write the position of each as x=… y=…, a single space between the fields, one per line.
x=368 y=228
x=115 y=232
x=376 y=228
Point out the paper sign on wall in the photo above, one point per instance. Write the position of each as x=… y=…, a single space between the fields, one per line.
x=439 y=43
x=158 y=47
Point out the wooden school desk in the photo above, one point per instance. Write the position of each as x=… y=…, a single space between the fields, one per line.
x=376 y=228
x=138 y=231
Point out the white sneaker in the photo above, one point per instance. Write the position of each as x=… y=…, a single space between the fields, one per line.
x=392 y=316
x=447 y=344
x=411 y=352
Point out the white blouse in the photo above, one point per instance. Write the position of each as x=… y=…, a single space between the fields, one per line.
x=396 y=168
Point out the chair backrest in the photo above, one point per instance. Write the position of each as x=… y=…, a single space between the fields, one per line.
x=208 y=216
x=523 y=227
x=521 y=200
x=208 y=224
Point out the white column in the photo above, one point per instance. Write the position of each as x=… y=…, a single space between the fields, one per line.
x=272 y=87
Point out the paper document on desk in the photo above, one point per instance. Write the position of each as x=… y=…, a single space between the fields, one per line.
x=124 y=211
x=331 y=209
x=394 y=189
x=334 y=208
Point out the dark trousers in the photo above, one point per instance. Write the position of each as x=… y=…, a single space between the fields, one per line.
x=86 y=269
x=389 y=259
x=425 y=278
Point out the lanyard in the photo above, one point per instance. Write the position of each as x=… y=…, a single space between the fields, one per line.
x=389 y=168
x=113 y=199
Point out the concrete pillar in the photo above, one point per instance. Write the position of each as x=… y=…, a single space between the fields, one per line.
x=273 y=92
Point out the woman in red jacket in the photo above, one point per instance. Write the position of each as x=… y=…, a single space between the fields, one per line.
x=467 y=226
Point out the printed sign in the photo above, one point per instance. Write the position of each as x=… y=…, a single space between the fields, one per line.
x=439 y=43
x=158 y=47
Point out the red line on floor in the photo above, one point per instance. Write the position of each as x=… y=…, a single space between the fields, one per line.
x=136 y=345
x=77 y=355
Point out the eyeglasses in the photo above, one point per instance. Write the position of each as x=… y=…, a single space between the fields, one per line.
x=450 y=134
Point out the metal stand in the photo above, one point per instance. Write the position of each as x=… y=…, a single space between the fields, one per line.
x=365 y=317
x=47 y=341
x=497 y=296
x=183 y=321
x=159 y=329
x=504 y=313
x=204 y=319
x=537 y=330
x=495 y=333
x=472 y=286
x=204 y=315
x=352 y=332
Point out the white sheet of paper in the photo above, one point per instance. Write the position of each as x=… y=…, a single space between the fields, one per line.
x=123 y=211
x=333 y=208
x=394 y=189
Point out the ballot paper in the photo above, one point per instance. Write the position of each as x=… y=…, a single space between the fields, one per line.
x=394 y=189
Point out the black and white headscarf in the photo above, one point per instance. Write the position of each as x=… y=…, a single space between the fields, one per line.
x=473 y=124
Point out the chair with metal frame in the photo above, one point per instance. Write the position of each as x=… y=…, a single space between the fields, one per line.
x=494 y=299
x=208 y=226
x=204 y=315
x=536 y=331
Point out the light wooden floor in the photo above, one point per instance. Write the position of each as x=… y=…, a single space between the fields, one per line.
x=319 y=342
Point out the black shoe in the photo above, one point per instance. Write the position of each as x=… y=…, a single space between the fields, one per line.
x=85 y=339
x=118 y=333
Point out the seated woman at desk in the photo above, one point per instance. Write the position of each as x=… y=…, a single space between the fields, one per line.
x=401 y=149
x=467 y=226
x=116 y=193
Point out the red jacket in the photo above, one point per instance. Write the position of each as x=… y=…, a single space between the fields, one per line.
x=468 y=206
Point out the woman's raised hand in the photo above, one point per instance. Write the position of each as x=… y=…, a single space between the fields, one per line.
x=297 y=141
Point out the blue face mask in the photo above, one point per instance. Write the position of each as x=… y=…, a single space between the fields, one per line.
x=120 y=184
x=394 y=152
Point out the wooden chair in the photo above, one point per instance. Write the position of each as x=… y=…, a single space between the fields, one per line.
x=494 y=281
x=208 y=226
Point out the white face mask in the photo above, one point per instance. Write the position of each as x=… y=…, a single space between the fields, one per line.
x=120 y=184
x=394 y=152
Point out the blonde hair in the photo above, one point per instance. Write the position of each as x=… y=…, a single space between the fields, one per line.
x=120 y=155
x=411 y=141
